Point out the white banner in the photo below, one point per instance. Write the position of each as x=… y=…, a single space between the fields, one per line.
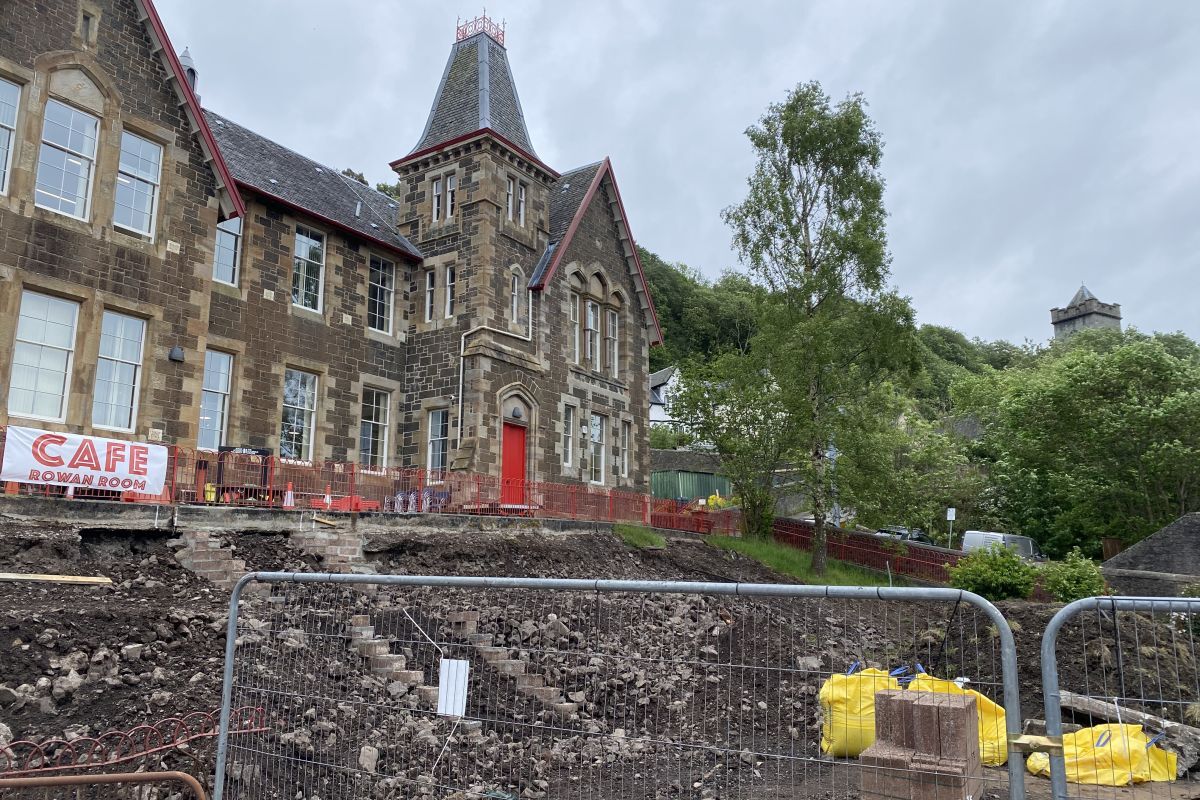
x=70 y=459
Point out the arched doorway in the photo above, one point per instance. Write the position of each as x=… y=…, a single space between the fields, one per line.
x=514 y=453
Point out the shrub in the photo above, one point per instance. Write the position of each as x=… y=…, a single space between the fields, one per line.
x=1075 y=577
x=996 y=573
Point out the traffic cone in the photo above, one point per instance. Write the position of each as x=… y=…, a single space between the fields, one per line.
x=289 y=497
x=11 y=487
x=328 y=497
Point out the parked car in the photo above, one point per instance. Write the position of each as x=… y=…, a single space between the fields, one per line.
x=1025 y=547
x=905 y=534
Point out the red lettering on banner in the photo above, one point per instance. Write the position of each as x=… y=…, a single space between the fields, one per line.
x=139 y=456
x=85 y=456
x=114 y=455
x=39 y=449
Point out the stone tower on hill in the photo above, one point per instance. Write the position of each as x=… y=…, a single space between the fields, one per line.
x=1083 y=312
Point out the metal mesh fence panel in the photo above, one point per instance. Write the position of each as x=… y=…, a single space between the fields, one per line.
x=401 y=686
x=1122 y=688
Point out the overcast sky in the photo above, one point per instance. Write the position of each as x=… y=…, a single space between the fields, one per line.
x=1029 y=146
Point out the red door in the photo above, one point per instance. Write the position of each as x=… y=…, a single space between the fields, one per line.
x=512 y=466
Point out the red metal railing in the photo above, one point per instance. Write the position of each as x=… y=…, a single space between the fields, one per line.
x=199 y=477
x=880 y=553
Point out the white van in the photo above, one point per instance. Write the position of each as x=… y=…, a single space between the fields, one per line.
x=1024 y=546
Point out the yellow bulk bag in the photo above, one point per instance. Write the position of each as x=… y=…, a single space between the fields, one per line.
x=1110 y=755
x=848 y=711
x=993 y=735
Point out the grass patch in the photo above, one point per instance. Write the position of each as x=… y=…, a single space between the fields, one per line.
x=798 y=563
x=638 y=536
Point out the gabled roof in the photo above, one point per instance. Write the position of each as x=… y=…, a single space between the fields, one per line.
x=477 y=92
x=227 y=194
x=662 y=376
x=286 y=176
x=569 y=200
x=1082 y=296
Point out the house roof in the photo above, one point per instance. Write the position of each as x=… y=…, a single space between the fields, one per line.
x=569 y=200
x=476 y=92
x=662 y=376
x=284 y=175
x=1172 y=549
x=227 y=193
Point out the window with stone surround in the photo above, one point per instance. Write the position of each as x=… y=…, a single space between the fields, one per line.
x=66 y=160
x=214 y=399
x=43 y=353
x=298 y=428
x=451 y=287
x=227 y=251
x=308 y=270
x=381 y=293
x=568 y=436
x=450 y=195
x=521 y=204
x=138 y=174
x=430 y=293
x=437 y=199
x=599 y=422
x=576 y=334
x=611 y=341
x=439 y=439
x=373 y=428
x=592 y=335
x=10 y=100
x=510 y=200
x=626 y=434
x=118 y=371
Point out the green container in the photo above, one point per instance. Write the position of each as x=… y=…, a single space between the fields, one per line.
x=674 y=484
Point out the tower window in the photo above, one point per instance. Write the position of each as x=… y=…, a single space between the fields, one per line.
x=450 y=182
x=437 y=199
x=521 y=204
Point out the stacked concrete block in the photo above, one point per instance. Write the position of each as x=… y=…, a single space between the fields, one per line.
x=926 y=748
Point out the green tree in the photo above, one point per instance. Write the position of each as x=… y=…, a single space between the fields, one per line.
x=1099 y=436
x=734 y=405
x=812 y=230
x=699 y=319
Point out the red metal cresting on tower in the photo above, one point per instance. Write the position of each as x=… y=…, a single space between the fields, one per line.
x=481 y=24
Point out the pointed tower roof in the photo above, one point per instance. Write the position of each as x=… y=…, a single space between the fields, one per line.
x=1082 y=296
x=477 y=91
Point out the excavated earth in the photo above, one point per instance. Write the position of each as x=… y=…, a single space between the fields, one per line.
x=658 y=695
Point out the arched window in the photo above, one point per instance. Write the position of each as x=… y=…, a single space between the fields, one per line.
x=595 y=337
x=516 y=300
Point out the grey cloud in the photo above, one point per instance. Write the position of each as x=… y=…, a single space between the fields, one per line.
x=1029 y=146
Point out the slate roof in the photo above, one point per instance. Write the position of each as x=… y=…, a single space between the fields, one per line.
x=1082 y=296
x=1174 y=549
x=565 y=198
x=323 y=191
x=477 y=91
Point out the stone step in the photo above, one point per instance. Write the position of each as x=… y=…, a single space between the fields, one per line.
x=546 y=694
x=360 y=620
x=409 y=677
x=492 y=654
x=481 y=639
x=564 y=709
x=465 y=628
x=372 y=647
x=530 y=681
x=509 y=667
x=428 y=694
x=387 y=664
x=456 y=617
x=362 y=632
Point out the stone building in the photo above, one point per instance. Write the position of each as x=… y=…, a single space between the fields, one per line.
x=167 y=274
x=1083 y=312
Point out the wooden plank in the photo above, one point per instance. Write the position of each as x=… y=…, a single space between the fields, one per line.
x=29 y=577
